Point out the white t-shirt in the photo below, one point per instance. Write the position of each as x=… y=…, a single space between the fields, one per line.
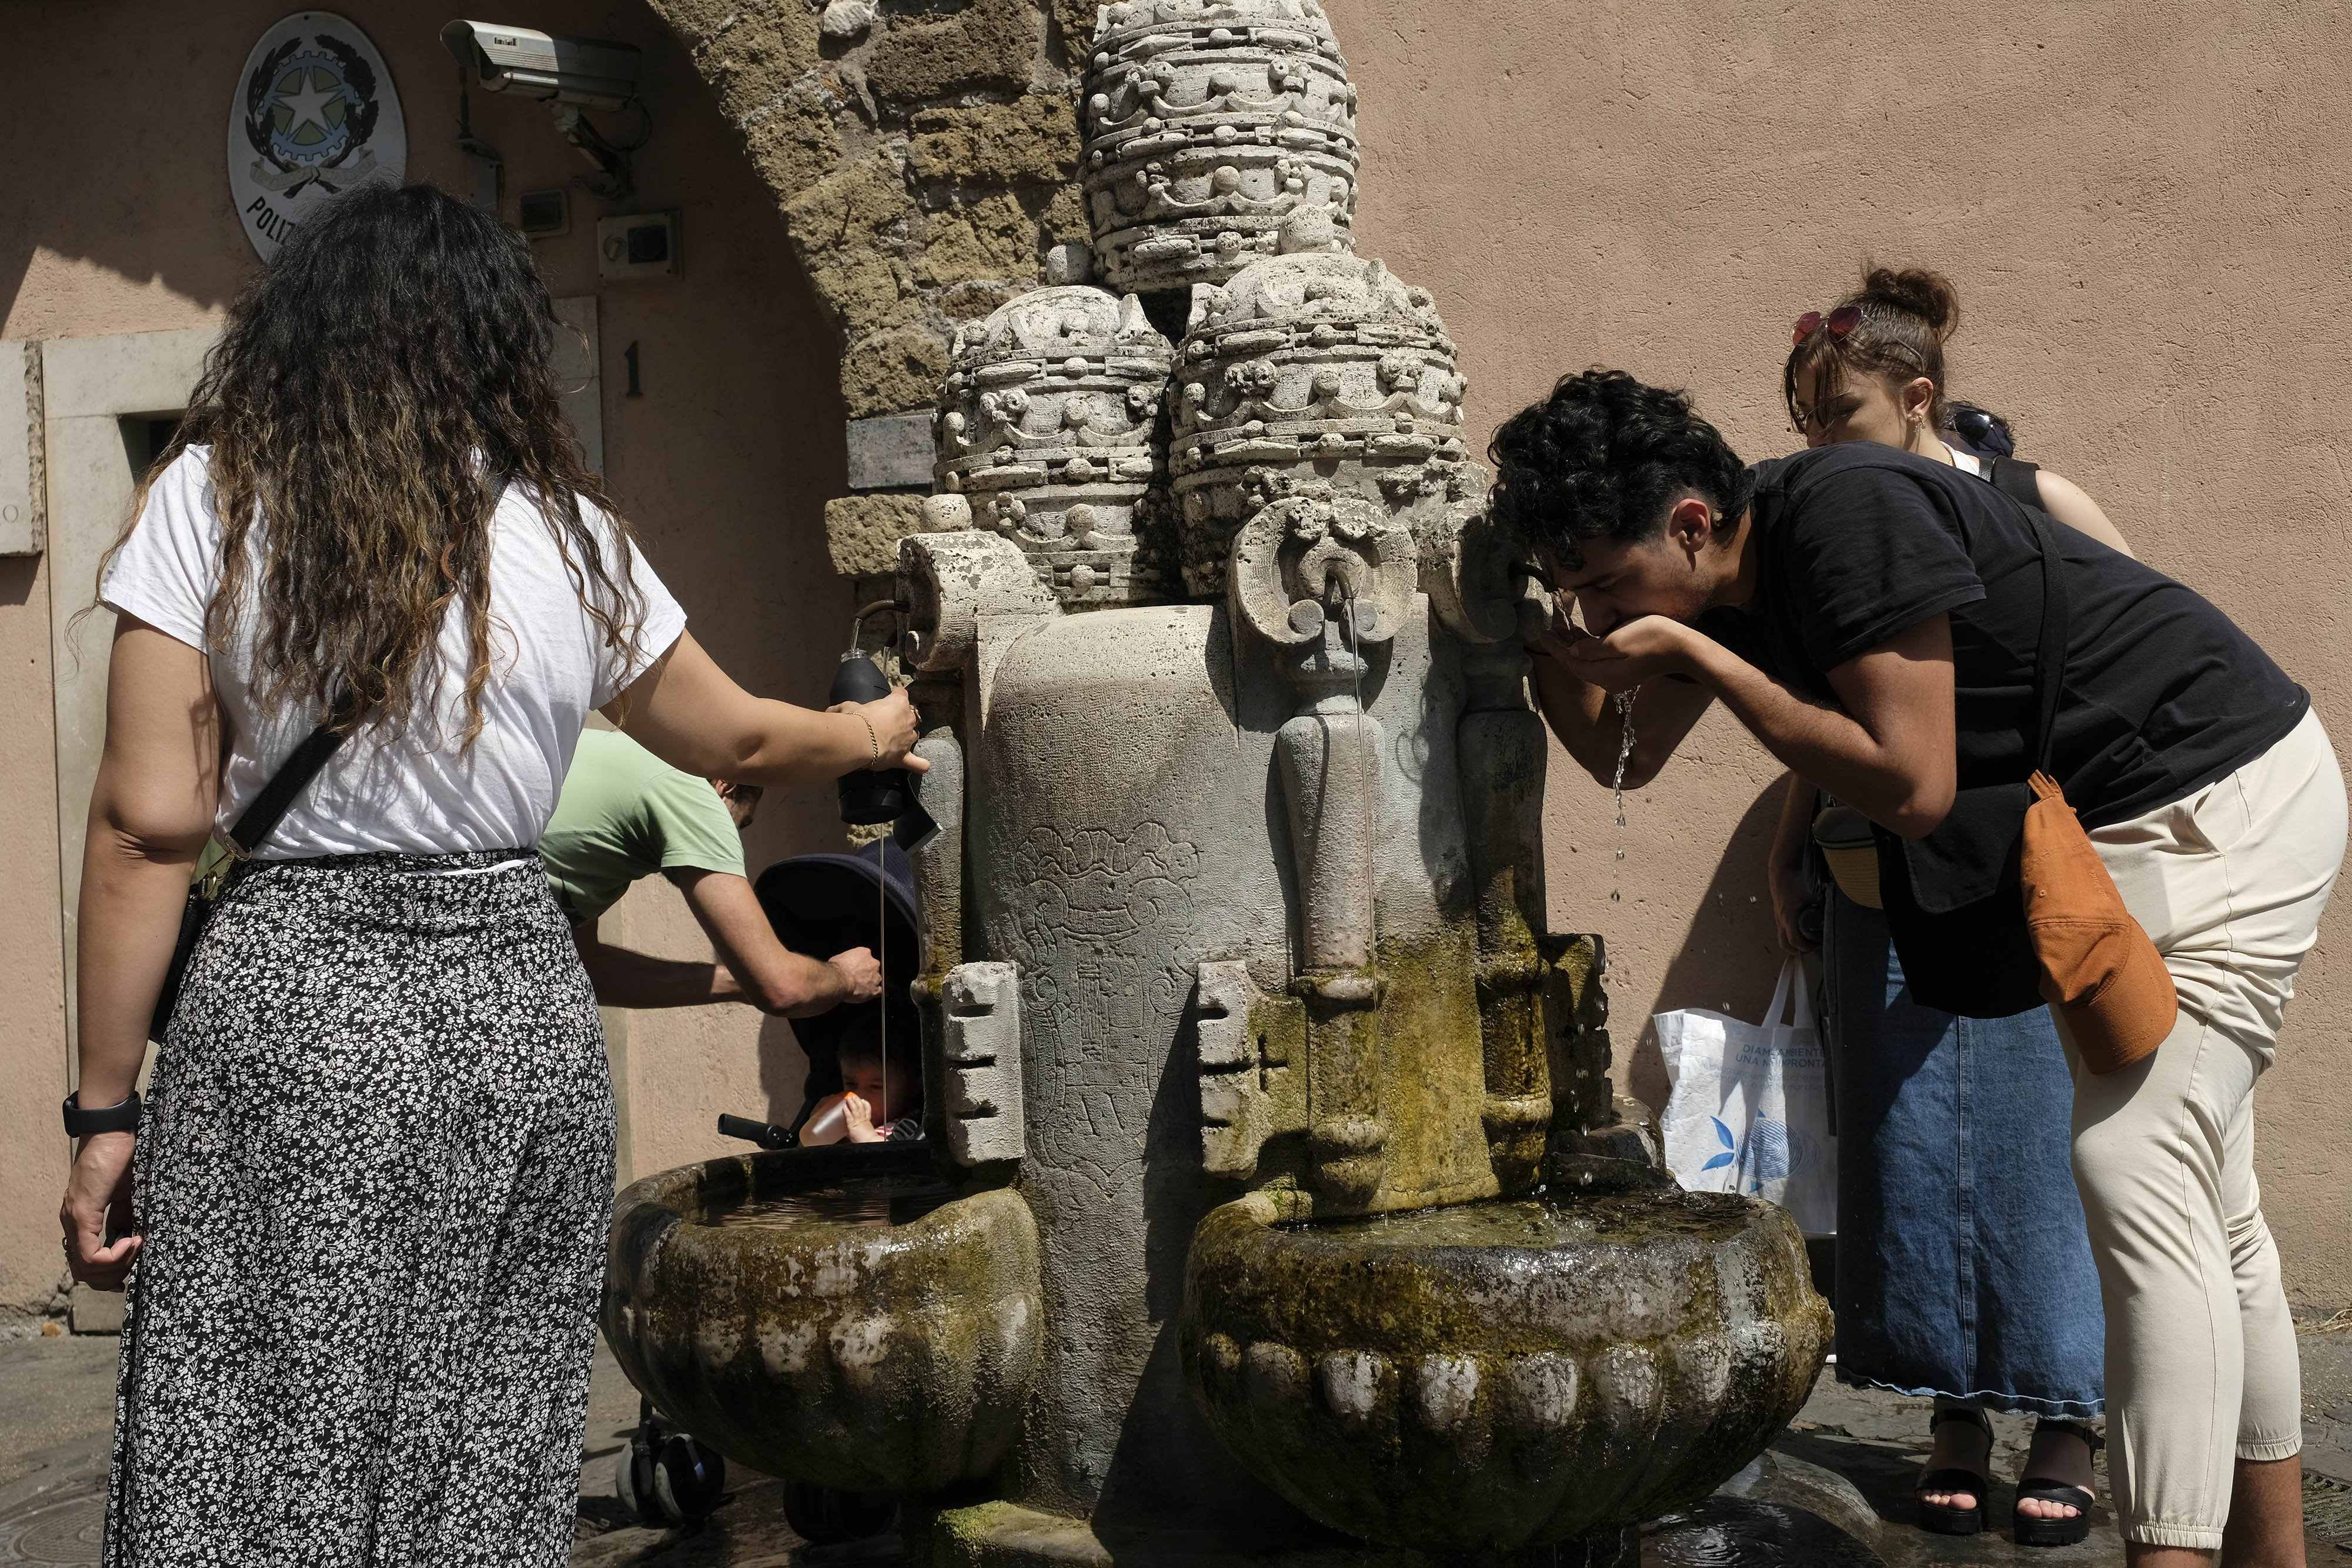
x=415 y=794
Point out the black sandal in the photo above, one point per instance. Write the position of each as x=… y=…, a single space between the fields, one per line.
x=1941 y=1517
x=2032 y=1532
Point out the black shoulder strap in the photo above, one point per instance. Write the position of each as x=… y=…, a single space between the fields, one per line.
x=2049 y=657
x=293 y=776
x=2017 y=479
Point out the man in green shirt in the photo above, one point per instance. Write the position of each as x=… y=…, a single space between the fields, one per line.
x=625 y=814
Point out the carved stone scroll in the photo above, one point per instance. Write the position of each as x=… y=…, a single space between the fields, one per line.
x=1253 y=1068
x=982 y=1030
x=952 y=584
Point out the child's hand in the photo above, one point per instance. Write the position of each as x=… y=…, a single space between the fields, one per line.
x=861 y=1119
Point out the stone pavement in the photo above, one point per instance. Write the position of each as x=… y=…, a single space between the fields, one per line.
x=1847 y=1461
x=1876 y=1443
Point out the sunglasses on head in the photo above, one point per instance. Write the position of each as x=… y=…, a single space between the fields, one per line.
x=1840 y=321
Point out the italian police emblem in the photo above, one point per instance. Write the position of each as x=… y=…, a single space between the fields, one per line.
x=314 y=113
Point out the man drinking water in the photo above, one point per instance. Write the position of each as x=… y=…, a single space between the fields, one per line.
x=1873 y=619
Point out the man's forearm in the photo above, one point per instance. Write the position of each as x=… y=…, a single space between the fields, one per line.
x=1823 y=745
x=1799 y=800
x=626 y=978
x=796 y=985
x=773 y=977
x=1572 y=707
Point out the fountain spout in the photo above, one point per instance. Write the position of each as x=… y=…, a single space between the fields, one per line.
x=1281 y=1195
x=1326 y=579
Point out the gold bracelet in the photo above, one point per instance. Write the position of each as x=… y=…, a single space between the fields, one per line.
x=873 y=741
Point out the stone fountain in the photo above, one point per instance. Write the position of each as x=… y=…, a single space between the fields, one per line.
x=1282 y=1209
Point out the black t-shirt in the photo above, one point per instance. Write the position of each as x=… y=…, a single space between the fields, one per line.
x=2162 y=695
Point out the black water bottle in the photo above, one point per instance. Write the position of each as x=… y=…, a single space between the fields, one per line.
x=867 y=796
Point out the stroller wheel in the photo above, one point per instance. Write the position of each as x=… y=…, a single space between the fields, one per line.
x=632 y=1483
x=689 y=1479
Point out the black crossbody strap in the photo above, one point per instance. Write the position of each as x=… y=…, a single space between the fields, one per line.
x=2019 y=480
x=2049 y=657
x=293 y=776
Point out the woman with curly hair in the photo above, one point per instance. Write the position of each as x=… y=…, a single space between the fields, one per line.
x=1963 y=1269
x=1873 y=619
x=362 y=1212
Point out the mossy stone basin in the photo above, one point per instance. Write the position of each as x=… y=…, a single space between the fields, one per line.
x=871 y=1332
x=1497 y=1374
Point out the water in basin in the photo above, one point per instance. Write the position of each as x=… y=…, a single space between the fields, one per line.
x=878 y=1200
x=1534 y=1222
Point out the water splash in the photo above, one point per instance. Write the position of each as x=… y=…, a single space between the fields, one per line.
x=1738 y=1532
x=1623 y=702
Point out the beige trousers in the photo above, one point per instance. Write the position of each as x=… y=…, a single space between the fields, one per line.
x=2201 y=1367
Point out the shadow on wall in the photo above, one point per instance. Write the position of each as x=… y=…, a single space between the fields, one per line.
x=1729 y=956
x=17 y=575
x=783 y=1071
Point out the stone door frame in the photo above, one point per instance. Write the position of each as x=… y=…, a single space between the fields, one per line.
x=90 y=387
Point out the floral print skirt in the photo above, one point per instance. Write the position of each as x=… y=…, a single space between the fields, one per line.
x=373 y=1178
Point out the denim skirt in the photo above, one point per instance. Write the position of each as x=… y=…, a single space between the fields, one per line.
x=1963 y=1266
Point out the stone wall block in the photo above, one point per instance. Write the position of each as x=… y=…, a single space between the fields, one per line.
x=990 y=46
x=791 y=135
x=985 y=237
x=1031 y=140
x=742 y=51
x=862 y=532
x=868 y=196
x=893 y=372
x=868 y=289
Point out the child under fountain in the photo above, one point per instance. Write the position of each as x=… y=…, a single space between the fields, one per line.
x=865 y=1078
x=880 y=1102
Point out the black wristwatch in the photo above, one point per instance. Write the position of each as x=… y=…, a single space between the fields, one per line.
x=81 y=1124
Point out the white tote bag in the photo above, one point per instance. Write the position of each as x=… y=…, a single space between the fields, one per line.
x=1749 y=1111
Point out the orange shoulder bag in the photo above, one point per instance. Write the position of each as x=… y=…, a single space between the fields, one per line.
x=2099 y=970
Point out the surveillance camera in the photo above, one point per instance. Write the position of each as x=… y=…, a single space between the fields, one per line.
x=588 y=73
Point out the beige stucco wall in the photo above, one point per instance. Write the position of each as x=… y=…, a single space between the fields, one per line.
x=2140 y=202
x=725 y=464
x=2144 y=208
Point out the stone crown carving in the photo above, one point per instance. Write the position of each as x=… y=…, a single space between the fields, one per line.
x=1046 y=425
x=1208 y=122
x=1314 y=363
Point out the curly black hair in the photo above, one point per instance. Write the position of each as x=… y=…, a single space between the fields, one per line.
x=1605 y=456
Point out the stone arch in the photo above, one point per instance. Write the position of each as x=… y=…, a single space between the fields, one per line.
x=924 y=155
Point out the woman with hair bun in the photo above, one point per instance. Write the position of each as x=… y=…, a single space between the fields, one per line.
x=1871 y=369
x=1964 y=1270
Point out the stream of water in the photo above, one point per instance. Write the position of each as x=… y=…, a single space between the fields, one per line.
x=1625 y=705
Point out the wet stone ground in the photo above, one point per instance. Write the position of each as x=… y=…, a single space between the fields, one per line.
x=1833 y=1493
